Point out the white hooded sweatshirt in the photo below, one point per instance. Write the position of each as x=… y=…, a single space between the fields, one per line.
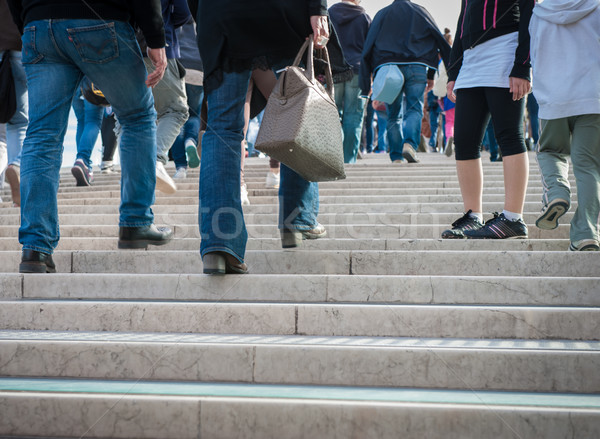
x=565 y=56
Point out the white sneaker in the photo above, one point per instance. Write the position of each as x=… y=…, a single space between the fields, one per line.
x=181 y=173
x=244 y=195
x=272 y=181
x=107 y=167
x=164 y=182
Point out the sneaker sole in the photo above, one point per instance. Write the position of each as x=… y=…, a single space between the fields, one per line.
x=80 y=176
x=549 y=219
x=447 y=235
x=491 y=237
x=585 y=248
x=410 y=156
x=192 y=156
x=14 y=181
x=165 y=186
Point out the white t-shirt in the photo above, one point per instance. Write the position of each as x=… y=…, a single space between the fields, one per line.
x=488 y=64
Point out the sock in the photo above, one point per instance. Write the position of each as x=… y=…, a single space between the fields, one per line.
x=479 y=216
x=512 y=216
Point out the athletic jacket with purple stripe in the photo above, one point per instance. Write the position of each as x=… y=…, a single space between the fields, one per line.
x=483 y=20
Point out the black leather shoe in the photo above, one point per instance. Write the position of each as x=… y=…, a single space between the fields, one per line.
x=142 y=237
x=222 y=263
x=36 y=262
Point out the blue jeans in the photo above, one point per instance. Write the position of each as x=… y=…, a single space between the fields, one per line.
x=351 y=108
x=56 y=55
x=190 y=130
x=369 y=119
x=404 y=124
x=17 y=126
x=89 y=121
x=222 y=225
x=434 y=117
x=382 y=122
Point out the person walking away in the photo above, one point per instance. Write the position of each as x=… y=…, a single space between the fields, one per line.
x=489 y=74
x=10 y=45
x=568 y=33
x=185 y=148
x=352 y=24
x=105 y=50
x=406 y=35
x=234 y=37
x=170 y=99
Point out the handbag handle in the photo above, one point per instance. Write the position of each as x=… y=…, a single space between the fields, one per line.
x=310 y=70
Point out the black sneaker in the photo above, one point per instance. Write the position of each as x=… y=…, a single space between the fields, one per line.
x=499 y=227
x=466 y=222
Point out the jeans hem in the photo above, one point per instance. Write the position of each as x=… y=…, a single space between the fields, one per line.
x=38 y=249
x=222 y=249
x=142 y=224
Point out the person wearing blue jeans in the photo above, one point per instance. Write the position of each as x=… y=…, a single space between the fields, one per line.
x=277 y=28
x=434 y=117
x=189 y=132
x=404 y=124
x=404 y=34
x=351 y=108
x=107 y=53
x=89 y=121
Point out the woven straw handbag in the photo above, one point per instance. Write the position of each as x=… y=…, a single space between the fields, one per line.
x=301 y=126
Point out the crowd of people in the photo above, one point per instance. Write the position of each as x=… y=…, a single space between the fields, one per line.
x=183 y=79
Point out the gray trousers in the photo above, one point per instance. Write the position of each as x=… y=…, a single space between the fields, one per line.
x=170 y=102
x=579 y=137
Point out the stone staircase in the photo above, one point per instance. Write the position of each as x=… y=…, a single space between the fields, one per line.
x=382 y=330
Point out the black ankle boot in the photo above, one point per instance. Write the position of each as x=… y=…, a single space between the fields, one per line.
x=36 y=262
x=142 y=237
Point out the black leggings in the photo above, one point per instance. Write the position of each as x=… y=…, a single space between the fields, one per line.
x=473 y=109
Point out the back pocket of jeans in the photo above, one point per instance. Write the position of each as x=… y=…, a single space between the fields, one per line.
x=30 y=55
x=95 y=44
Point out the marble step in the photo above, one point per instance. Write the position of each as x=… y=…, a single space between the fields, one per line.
x=393 y=262
x=374 y=218
x=193 y=244
x=371 y=289
x=183 y=410
x=334 y=231
x=318 y=319
x=508 y=365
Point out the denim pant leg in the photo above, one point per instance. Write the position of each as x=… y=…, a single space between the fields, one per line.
x=52 y=81
x=222 y=226
x=99 y=48
x=394 y=128
x=585 y=155
x=415 y=82
x=17 y=126
x=91 y=129
x=369 y=119
x=171 y=106
x=298 y=201
x=352 y=118
x=195 y=94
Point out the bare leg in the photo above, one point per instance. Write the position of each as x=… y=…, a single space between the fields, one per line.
x=516 y=175
x=470 y=179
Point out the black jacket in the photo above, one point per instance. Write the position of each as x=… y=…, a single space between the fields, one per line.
x=352 y=24
x=235 y=35
x=406 y=33
x=144 y=13
x=483 y=20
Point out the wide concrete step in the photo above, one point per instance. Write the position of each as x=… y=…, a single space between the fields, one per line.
x=362 y=218
x=510 y=365
x=396 y=262
x=149 y=409
x=319 y=319
x=371 y=289
x=334 y=231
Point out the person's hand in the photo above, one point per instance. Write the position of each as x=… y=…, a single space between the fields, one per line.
x=519 y=88
x=450 y=91
x=320 y=28
x=430 y=83
x=158 y=57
